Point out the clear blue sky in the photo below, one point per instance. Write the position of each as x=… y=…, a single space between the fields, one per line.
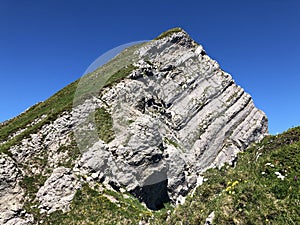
x=45 y=45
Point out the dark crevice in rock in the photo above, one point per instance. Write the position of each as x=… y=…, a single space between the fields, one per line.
x=167 y=68
x=141 y=104
x=151 y=104
x=114 y=185
x=154 y=195
x=155 y=158
x=241 y=109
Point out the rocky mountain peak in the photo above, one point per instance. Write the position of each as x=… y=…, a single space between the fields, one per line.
x=149 y=122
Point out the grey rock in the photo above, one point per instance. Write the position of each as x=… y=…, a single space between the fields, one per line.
x=173 y=120
x=11 y=194
x=176 y=115
x=210 y=218
x=58 y=190
x=45 y=144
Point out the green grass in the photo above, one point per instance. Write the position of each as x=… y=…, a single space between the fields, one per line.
x=73 y=153
x=58 y=103
x=31 y=185
x=107 y=75
x=171 y=142
x=250 y=193
x=120 y=75
x=91 y=206
x=62 y=101
x=168 y=33
x=104 y=124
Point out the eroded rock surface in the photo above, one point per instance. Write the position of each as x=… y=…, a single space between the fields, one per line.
x=11 y=194
x=174 y=116
x=58 y=190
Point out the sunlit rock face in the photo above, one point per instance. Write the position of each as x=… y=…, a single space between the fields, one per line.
x=174 y=115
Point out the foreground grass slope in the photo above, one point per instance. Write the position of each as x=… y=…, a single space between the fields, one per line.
x=263 y=188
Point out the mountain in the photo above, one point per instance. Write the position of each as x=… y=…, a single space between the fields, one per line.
x=138 y=134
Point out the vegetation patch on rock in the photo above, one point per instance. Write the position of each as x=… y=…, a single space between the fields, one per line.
x=249 y=193
x=169 y=33
x=104 y=124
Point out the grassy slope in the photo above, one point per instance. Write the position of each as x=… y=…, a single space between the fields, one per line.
x=91 y=206
x=104 y=125
x=91 y=84
x=112 y=72
x=61 y=101
x=251 y=193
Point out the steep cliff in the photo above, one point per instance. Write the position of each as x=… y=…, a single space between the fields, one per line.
x=148 y=123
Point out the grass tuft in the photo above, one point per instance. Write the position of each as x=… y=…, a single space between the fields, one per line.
x=104 y=124
x=168 y=33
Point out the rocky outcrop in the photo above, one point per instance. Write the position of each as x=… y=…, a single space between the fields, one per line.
x=11 y=194
x=43 y=150
x=58 y=190
x=174 y=115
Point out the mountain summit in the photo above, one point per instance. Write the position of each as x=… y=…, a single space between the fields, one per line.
x=146 y=124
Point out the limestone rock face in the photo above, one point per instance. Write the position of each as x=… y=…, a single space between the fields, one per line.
x=58 y=190
x=174 y=115
x=11 y=194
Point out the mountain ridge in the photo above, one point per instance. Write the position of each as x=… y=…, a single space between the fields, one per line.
x=147 y=123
